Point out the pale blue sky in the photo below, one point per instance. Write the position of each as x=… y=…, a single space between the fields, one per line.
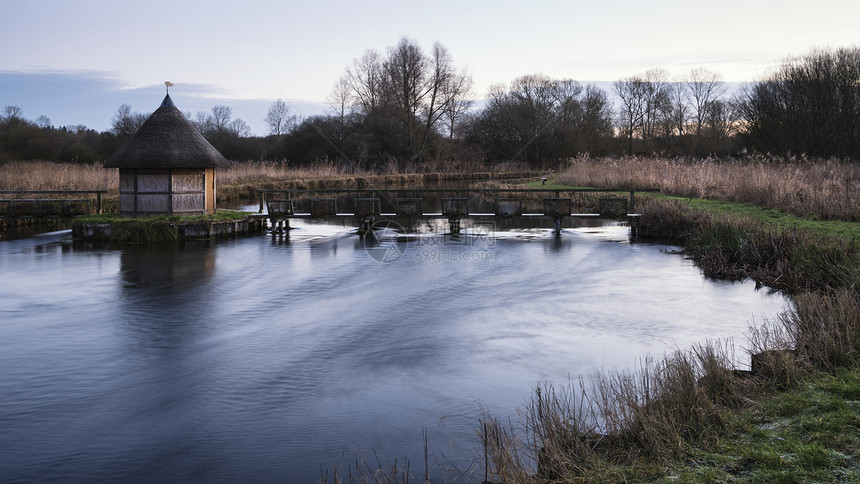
x=218 y=51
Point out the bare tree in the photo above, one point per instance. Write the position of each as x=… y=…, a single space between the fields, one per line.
x=680 y=108
x=447 y=94
x=278 y=118
x=339 y=102
x=458 y=90
x=632 y=94
x=721 y=120
x=202 y=122
x=43 y=122
x=404 y=100
x=538 y=119
x=239 y=128
x=365 y=80
x=220 y=117
x=13 y=113
x=657 y=103
x=125 y=122
x=703 y=88
x=406 y=86
x=596 y=118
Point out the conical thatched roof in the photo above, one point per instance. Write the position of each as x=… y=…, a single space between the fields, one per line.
x=167 y=140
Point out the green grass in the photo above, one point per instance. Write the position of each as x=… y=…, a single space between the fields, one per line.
x=809 y=434
x=218 y=216
x=770 y=218
x=151 y=230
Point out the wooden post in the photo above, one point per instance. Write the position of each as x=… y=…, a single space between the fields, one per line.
x=454 y=225
x=632 y=207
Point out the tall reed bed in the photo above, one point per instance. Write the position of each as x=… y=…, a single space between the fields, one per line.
x=254 y=172
x=48 y=175
x=827 y=189
x=272 y=171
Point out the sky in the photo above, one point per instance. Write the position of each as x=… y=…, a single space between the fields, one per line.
x=77 y=61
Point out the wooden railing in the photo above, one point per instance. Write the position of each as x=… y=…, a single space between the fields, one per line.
x=63 y=203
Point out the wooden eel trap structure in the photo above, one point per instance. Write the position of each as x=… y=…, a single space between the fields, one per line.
x=367 y=206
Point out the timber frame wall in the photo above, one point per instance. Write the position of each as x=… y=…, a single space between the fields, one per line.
x=166 y=191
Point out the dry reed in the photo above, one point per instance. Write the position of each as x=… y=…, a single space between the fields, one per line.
x=827 y=189
x=657 y=412
x=48 y=175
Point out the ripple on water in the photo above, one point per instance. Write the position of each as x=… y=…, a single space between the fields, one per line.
x=264 y=358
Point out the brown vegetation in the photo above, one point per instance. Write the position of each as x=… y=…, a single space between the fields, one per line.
x=620 y=425
x=48 y=175
x=825 y=189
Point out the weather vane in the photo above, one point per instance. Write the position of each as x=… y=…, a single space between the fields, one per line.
x=168 y=84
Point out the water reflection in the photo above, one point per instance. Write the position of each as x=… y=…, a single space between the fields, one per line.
x=558 y=243
x=169 y=265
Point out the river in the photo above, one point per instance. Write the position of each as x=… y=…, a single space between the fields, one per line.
x=264 y=359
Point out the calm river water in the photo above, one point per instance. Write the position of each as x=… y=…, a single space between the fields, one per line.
x=266 y=360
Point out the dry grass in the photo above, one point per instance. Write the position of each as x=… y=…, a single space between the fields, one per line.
x=270 y=171
x=243 y=179
x=619 y=418
x=827 y=189
x=47 y=175
x=626 y=425
x=256 y=172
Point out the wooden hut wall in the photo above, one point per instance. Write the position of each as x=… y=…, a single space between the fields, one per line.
x=167 y=191
x=144 y=192
x=126 y=192
x=189 y=188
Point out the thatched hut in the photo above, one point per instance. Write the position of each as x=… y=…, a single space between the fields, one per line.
x=167 y=167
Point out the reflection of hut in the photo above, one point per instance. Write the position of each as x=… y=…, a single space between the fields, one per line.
x=186 y=263
x=166 y=167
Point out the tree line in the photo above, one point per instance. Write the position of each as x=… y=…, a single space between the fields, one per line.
x=410 y=108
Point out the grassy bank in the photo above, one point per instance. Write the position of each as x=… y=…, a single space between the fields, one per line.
x=809 y=434
x=151 y=230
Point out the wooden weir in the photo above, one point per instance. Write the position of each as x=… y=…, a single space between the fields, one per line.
x=370 y=205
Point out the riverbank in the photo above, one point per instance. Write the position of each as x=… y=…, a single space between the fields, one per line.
x=693 y=416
